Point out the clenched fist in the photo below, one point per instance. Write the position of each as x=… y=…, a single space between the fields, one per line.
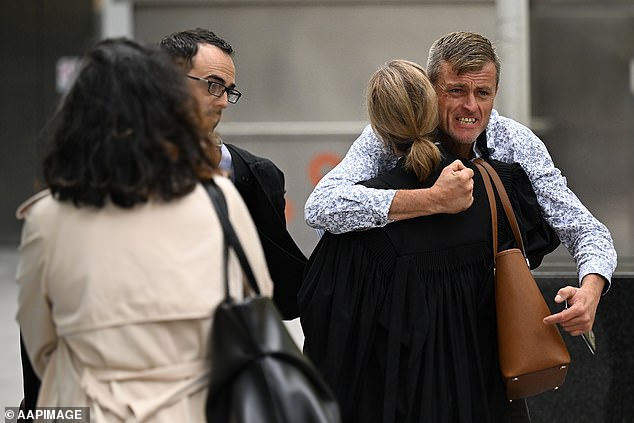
x=453 y=191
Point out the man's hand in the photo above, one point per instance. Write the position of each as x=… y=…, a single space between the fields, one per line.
x=453 y=190
x=582 y=305
x=451 y=193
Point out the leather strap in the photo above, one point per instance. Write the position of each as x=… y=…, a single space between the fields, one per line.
x=492 y=206
x=231 y=239
x=488 y=173
x=506 y=203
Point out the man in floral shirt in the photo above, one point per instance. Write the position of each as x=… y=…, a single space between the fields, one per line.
x=466 y=86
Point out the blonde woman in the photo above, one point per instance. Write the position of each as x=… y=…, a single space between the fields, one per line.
x=401 y=319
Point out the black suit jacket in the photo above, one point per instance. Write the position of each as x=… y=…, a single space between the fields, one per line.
x=261 y=185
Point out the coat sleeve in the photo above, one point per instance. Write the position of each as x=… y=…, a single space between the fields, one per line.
x=274 y=182
x=264 y=197
x=34 y=308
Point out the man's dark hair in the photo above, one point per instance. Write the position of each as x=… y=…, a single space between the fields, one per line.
x=182 y=46
x=127 y=131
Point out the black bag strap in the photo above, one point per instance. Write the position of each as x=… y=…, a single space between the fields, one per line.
x=489 y=174
x=231 y=239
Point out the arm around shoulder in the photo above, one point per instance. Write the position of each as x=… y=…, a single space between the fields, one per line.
x=411 y=203
x=338 y=204
x=451 y=193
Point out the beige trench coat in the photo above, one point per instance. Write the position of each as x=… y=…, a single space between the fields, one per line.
x=116 y=305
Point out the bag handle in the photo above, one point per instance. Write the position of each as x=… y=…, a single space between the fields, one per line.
x=488 y=173
x=492 y=206
x=230 y=239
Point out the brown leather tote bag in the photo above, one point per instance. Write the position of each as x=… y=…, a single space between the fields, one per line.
x=533 y=355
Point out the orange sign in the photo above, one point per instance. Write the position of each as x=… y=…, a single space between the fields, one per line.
x=320 y=165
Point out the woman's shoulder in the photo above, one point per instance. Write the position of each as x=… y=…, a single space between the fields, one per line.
x=397 y=178
x=236 y=205
x=400 y=177
x=27 y=205
x=228 y=188
x=224 y=182
x=511 y=173
x=497 y=164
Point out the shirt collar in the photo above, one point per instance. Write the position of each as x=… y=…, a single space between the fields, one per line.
x=480 y=148
x=225 y=162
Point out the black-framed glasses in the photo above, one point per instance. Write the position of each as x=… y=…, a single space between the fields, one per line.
x=217 y=89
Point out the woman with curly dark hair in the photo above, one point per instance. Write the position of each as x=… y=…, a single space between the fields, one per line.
x=120 y=258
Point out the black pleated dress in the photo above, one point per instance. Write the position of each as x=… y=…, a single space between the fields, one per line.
x=400 y=320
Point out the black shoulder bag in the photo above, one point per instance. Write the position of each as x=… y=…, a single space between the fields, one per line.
x=258 y=374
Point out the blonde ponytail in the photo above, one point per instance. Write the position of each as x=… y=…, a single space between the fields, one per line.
x=423 y=157
x=403 y=111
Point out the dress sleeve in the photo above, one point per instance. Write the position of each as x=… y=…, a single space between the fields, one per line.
x=338 y=205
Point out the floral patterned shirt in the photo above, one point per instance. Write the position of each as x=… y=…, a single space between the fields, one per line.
x=338 y=205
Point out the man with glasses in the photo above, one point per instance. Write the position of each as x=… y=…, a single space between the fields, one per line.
x=206 y=60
